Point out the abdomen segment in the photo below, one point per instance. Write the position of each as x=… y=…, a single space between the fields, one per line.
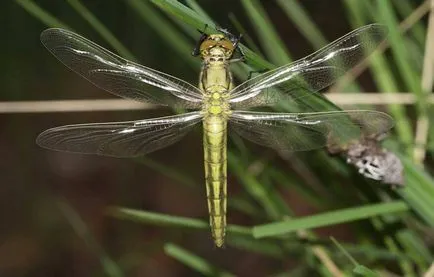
x=214 y=141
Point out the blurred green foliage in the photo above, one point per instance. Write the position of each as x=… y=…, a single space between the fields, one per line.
x=396 y=224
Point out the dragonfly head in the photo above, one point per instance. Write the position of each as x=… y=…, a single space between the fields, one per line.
x=216 y=48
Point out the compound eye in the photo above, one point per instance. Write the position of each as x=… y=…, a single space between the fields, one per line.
x=227 y=44
x=207 y=44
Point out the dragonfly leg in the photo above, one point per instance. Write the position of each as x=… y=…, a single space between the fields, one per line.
x=256 y=72
x=242 y=57
x=237 y=60
x=196 y=50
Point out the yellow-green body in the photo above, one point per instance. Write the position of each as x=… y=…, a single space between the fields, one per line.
x=216 y=81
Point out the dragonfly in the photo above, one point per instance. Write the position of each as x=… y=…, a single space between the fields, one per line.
x=216 y=103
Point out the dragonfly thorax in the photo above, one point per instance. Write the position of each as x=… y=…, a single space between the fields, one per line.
x=215 y=82
x=216 y=104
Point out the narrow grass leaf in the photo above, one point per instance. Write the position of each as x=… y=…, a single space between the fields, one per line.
x=266 y=248
x=193 y=261
x=295 y=12
x=415 y=248
x=400 y=53
x=419 y=191
x=342 y=249
x=184 y=13
x=198 y=9
x=243 y=205
x=392 y=242
x=41 y=14
x=418 y=30
x=168 y=171
x=359 y=269
x=305 y=191
x=328 y=218
x=101 y=29
x=159 y=219
x=273 y=46
x=110 y=267
x=166 y=30
x=246 y=37
x=372 y=252
x=364 y=271
x=383 y=76
x=253 y=187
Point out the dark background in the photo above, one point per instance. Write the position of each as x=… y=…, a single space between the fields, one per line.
x=39 y=189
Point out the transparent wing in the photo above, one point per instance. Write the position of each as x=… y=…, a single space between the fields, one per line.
x=117 y=75
x=288 y=132
x=310 y=74
x=119 y=139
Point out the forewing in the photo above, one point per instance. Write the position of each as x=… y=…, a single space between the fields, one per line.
x=119 y=139
x=117 y=75
x=288 y=132
x=310 y=74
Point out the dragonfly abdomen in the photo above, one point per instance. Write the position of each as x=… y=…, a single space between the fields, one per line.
x=215 y=173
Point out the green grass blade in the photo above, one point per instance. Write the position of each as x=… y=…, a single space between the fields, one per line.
x=243 y=205
x=168 y=171
x=166 y=30
x=266 y=248
x=391 y=240
x=305 y=191
x=364 y=271
x=101 y=29
x=372 y=253
x=156 y=218
x=405 y=8
x=328 y=218
x=415 y=248
x=159 y=219
x=193 y=261
x=383 y=76
x=400 y=53
x=253 y=187
x=110 y=267
x=419 y=193
x=246 y=37
x=183 y=13
x=41 y=14
x=295 y=12
x=273 y=46
x=358 y=269
x=345 y=252
x=198 y=9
